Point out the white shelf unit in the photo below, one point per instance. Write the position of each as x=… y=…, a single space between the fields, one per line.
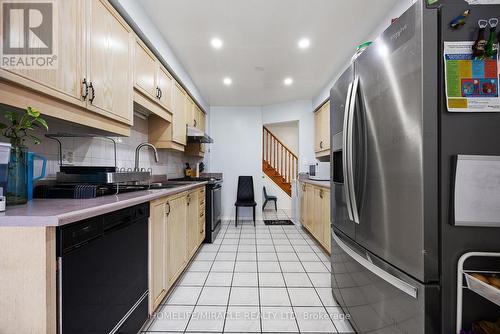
x=485 y=290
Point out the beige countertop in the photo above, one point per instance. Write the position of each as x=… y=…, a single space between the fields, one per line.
x=305 y=179
x=58 y=212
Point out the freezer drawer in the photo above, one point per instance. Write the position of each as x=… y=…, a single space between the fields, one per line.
x=377 y=297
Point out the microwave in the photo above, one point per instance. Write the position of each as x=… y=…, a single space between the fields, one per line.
x=319 y=171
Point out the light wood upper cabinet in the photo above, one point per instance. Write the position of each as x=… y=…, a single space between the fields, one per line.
x=322 y=130
x=145 y=70
x=158 y=253
x=203 y=119
x=65 y=81
x=179 y=115
x=176 y=236
x=165 y=85
x=94 y=70
x=110 y=62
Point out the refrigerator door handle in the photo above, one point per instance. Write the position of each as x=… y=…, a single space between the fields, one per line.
x=389 y=278
x=350 y=163
x=344 y=148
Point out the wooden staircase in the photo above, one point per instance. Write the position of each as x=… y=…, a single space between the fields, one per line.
x=279 y=163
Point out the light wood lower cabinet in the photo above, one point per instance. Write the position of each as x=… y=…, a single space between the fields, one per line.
x=158 y=252
x=192 y=222
x=315 y=212
x=175 y=233
x=176 y=236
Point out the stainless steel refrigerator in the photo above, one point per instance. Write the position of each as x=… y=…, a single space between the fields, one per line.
x=394 y=146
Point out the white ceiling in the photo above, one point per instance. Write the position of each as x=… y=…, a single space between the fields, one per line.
x=260 y=43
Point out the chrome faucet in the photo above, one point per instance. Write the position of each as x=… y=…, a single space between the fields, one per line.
x=138 y=148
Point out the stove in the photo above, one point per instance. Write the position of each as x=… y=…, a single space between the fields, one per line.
x=210 y=180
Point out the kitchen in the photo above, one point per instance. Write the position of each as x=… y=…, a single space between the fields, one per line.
x=170 y=166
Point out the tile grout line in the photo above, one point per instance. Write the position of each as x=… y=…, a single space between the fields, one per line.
x=199 y=295
x=313 y=286
x=231 y=285
x=284 y=281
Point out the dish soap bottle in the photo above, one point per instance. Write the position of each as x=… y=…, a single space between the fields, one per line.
x=188 y=172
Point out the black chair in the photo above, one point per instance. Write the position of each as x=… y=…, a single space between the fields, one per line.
x=269 y=198
x=245 y=196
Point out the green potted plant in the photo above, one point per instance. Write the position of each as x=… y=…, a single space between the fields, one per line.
x=18 y=130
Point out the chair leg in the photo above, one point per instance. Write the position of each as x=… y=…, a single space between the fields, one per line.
x=254 y=216
x=236 y=220
x=275 y=206
x=264 y=205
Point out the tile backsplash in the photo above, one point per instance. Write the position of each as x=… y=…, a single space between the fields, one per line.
x=99 y=151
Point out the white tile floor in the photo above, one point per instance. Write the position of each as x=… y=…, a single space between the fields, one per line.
x=263 y=279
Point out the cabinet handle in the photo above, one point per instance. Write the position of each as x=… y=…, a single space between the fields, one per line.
x=91 y=86
x=321 y=144
x=194 y=122
x=86 y=91
x=321 y=194
x=168 y=205
x=161 y=93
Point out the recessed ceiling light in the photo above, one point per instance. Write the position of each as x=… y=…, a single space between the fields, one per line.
x=216 y=43
x=304 y=43
x=227 y=81
x=288 y=81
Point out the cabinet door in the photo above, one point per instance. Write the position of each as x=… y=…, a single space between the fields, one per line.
x=203 y=120
x=190 y=112
x=176 y=237
x=145 y=70
x=110 y=63
x=165 y=82
x=302 y=203
x=325 y=214
x=179 y=115
x=192 y=223
x=325 y=126
x=309 y=218
x=158 y=254
x=64 y=82
x=317 y=131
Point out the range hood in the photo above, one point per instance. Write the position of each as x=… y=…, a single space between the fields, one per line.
x=195 y=135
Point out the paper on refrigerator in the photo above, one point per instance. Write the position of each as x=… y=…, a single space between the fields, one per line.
x=471 y=84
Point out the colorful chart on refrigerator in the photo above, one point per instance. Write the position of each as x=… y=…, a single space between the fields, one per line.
x=471 y=84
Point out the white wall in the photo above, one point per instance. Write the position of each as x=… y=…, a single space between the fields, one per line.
x=136 y=13
x=301 y=111
x=237 y=148
x=395 y=12
x=237 y=133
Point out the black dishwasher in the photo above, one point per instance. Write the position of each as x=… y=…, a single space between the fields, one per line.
x=103 y=273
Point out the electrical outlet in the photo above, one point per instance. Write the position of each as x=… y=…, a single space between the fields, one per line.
x=67 y=156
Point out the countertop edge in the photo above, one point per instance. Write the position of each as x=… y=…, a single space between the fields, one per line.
x=97 y=210
x=323 y=184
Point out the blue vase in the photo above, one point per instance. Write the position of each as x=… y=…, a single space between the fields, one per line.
x=17 y=176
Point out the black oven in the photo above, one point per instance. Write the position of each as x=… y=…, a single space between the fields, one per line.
x=213 y=210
